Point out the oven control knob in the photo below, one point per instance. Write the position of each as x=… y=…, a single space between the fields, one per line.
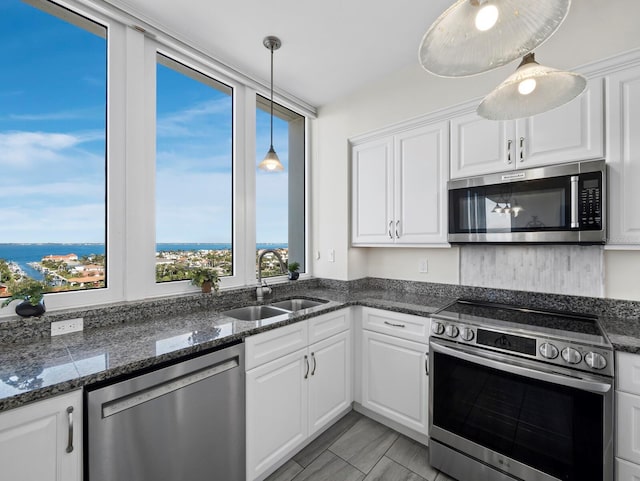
x=595 y=360
x=437 y=328
x=548 y=351
x=466 y=334
x=571 y=355
x=452 y=331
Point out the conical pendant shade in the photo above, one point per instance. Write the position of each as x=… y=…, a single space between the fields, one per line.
x=271 y=162
x=474 y=36
x=530 y=90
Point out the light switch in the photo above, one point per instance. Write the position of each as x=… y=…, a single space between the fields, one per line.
x=423 y=266
x=332 y=255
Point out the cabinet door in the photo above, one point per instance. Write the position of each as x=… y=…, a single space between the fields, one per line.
x=394 y=379
x=421 y=174
x=372 y=192
x=276 y=410
x=624 y=156
x=34 y=440
x=480 y=146
x=574 y=131
x=628 y=427
x=330 y=380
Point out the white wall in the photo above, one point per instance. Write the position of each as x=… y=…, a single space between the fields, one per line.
x=594 y=30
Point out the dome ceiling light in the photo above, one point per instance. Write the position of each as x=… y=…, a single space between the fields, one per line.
x=530 y=90
x=475 y=36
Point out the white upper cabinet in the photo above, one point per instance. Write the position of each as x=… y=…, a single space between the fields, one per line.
x=574 y=131
x=624 y=156
x=399 y=187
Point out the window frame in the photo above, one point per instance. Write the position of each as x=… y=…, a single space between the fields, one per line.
x=132 y=46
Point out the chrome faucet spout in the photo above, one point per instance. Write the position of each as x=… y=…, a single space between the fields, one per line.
x=260 y=291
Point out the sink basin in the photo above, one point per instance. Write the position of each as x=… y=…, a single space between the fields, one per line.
x=297 y=304
x=254 y=313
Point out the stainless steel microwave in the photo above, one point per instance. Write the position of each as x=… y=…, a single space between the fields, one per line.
x=564 y=203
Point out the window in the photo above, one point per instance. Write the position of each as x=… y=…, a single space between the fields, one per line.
x=280 y=196
x=52 y=148
x=194 y=178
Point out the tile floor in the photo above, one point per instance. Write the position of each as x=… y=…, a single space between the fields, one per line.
x=357 y=448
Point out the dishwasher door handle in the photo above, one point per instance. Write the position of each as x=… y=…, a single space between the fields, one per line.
x=132 y=400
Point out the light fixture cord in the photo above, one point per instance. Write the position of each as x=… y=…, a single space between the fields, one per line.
x=271 y=96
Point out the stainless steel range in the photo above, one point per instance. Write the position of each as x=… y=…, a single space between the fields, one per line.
x=520 y=394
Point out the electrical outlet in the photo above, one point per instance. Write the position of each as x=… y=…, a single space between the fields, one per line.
x=423 y=266
x=67 y=326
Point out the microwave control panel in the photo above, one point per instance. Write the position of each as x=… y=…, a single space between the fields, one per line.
x=590 y=201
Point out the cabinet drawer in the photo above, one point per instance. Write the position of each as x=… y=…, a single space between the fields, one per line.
x=327 y=325
x=405 y=326
x=628 y=372
x=276 y=343
x=626 y=471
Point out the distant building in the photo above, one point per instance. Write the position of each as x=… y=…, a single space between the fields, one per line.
x=65 y=258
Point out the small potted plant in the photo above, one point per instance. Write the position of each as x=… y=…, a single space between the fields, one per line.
x=293 y=270
x=205 y=278
x=31 y=292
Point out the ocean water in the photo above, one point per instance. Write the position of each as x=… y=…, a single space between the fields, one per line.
x=22 y=254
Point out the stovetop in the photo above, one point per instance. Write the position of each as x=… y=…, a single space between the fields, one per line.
x=569 y=339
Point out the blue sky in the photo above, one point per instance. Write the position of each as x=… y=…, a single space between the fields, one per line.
x=52 y=148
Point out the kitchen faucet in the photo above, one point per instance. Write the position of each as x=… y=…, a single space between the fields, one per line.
x=262 y=290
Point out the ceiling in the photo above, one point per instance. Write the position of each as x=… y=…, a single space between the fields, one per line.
x=329 y=48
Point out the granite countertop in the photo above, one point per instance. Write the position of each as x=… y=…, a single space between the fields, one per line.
x=44 y=367
x=123 y=339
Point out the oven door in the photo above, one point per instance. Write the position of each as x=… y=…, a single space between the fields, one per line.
x=523 y=418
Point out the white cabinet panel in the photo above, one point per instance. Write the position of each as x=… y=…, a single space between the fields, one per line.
x=626 y=471
x=34 y=440
x=406 y=326
x=329 y=380
x=276 y=343
x=628 y=372
x=394 y=379
x=327 y=325
x=624 y=156
x=480 y=146
x=628 y=427
x=420 y=187
x=372 y=191
x=277 y=403
x=399 y=192
x=572 y=132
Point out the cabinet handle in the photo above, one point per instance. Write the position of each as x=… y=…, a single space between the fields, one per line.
x=426 y=363
x=390 y=225
x=306 y=359
x=313 y=356
x=509 y=142
x=397 y=226
x=70 y=438
x=394 y=325
x=521 y=149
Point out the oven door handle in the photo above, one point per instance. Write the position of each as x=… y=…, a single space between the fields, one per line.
x=540 y=373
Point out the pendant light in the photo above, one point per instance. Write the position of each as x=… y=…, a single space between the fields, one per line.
x=475 y=36
x=271 y=162
x=530 y=90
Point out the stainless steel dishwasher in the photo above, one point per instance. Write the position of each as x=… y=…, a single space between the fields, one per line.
x=181 y=422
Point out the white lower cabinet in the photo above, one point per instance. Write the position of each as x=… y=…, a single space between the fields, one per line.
x=394 y=371
x=43 y=441
x=292 y=397
x=627 y=428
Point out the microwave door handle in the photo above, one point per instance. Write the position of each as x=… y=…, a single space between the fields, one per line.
x=574 y=202
x=535 y=373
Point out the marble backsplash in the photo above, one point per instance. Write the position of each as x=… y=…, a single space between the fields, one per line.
x=569 y=270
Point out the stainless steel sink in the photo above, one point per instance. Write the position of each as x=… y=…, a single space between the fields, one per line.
x=255 y=313
x=297 y=304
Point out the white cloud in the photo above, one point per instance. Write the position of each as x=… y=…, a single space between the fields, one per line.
x=188 y=122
